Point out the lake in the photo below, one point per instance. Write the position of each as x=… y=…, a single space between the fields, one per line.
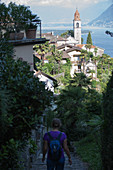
x=99 y=38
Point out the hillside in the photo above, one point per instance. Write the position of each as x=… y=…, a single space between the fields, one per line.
x=104 y=20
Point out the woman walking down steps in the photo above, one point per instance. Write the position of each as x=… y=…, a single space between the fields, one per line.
x=56 y=161
x=55 y=143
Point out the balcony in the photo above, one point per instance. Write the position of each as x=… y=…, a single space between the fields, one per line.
x=31 y=35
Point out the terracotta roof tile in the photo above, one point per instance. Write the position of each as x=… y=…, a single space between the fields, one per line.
x=81 y=45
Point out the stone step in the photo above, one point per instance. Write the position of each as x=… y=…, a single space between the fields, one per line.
x=77 y=164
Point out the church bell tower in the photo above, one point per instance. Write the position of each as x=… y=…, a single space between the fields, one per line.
x=77 y=27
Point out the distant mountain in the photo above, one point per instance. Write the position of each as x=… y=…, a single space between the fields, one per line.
x=104 y=20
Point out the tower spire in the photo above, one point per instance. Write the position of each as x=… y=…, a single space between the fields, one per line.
x=77 y=15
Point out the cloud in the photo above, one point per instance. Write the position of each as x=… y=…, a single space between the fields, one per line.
x=66 y=3
x=63 y=3
x=25 y=2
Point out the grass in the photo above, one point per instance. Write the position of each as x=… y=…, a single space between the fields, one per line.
x=89 y=152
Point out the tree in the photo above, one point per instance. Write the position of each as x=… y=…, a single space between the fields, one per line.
x=80 y=80
x=55 y=59
x=22 y=101
x=82 y=40
x=15 y=17
x=92 y=71
x=95 y=51
x=4 y=16
x=77 y=105
x=104 y=69
x=71 y=32
x=57 y=56
x=68 y=33
x=88 y=46
x=64 y=35
x=110 y=33
x=107 y=128
x=42 y=49
x=69 y=107
x=89 y=39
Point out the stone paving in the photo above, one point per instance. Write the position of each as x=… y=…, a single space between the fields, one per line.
x=77 y=164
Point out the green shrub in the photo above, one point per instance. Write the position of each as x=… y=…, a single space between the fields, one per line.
x=89 y=152
x=107 y=130
x=22 y=102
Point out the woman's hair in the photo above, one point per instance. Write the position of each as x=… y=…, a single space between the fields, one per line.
x=56 y=123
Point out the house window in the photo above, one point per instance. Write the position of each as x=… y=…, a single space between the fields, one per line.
x=79 y=68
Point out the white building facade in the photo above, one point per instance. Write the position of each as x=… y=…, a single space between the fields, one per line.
x=48 y=80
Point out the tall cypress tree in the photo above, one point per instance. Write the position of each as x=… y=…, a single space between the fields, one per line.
x=107 y=130
x=89 y=39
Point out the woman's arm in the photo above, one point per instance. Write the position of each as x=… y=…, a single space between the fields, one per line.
x=66 y=149
x=45 y=148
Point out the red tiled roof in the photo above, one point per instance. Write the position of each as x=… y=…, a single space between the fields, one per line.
x=81 y=45
x=77 y=16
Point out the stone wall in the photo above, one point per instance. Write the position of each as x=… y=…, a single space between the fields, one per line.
x=27 y=158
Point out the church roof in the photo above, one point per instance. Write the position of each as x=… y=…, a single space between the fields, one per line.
x=77 y=16
x=63 y=46
x=73 y=49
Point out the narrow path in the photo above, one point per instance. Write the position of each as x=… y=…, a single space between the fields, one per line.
x=77 y=164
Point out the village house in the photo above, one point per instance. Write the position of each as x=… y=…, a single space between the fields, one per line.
x=23 y=43
x=48 y=80
x=94 y=49
x=63 y=61
x=65 y=56
x=64 y=47
x=58 y=40
x=75 y=56
x=90 y=69
x=54 y=40
x=23 y=47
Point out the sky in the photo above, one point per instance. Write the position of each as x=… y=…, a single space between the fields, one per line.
x=62 y=11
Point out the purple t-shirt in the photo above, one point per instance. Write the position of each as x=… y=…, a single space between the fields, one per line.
x=55 y=134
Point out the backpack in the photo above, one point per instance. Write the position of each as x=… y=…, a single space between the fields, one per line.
x=55 y=148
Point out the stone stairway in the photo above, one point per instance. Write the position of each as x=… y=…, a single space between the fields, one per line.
x=77 y=164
